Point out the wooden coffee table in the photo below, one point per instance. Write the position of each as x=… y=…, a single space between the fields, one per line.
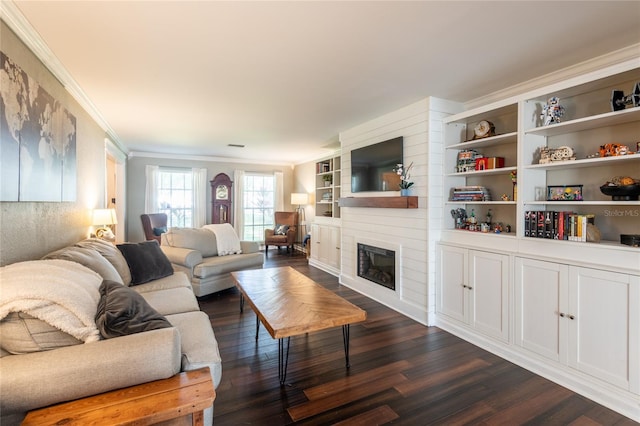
x=289 y=303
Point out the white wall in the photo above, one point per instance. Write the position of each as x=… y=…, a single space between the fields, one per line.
x=414 y=231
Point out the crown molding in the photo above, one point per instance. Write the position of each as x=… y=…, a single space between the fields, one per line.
x=206 y=158
x=616 y=57
x=15 y=20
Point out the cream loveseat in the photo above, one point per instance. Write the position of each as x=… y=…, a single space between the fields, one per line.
x=208 y=254
x=90 y=290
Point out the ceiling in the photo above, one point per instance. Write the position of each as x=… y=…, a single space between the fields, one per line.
x=284 y=78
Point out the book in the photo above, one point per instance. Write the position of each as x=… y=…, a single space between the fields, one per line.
x=540 y=226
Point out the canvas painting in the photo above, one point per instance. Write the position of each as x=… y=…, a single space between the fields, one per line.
x=37 y=140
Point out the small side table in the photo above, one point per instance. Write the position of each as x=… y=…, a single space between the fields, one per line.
x=184 y=394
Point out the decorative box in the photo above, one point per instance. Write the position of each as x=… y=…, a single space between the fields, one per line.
x=487 y=163
x=564 y=193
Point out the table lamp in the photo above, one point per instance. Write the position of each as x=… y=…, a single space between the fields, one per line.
x=104 y=218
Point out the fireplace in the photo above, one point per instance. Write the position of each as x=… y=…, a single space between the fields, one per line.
x=378 y=265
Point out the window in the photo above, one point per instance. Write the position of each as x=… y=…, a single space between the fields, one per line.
x=258 y=199
x=175 y=196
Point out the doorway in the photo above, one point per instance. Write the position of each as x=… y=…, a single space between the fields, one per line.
x=115 y=190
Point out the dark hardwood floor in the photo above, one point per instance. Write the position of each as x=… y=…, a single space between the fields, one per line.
x=401 y=373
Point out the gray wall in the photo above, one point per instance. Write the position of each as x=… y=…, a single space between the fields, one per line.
x=136 y=182
x=29 y=230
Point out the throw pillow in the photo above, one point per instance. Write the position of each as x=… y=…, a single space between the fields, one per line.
x=111 y=253
x=159 y=231
x=90 y=258
x=22 y=333
x=147 y=262
x=122 y=311
x=281 y=229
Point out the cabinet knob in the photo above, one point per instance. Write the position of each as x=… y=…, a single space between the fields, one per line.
x=562 y=314
x=469 y=287
x=463 y=285
x=572 y=317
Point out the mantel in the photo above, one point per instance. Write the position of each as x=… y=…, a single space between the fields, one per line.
x=410 y=202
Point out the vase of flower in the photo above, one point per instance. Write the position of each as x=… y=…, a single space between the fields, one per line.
x=404 y=174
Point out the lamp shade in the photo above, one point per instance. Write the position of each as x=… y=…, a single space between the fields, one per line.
x=104 y=217
x=299 y=198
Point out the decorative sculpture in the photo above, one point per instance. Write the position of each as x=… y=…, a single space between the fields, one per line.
x=552 y=111
x=619 y=101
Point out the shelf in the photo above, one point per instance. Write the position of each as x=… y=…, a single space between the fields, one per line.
x=506 y=138
x=512 y=203
x=607 y=119
x=500 y=171
x=481 y=113
x=327 y=168
x=511 y=234
x=410 y=202
x=583 y=203
x=586 y=162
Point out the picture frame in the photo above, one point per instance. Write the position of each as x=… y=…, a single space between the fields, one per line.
x=564 y=193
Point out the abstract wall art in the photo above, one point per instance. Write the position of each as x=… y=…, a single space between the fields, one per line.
x=37 y=140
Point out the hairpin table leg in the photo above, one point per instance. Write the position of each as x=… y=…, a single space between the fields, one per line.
x=283 y=360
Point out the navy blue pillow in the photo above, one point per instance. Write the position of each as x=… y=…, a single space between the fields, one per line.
x=159 y=231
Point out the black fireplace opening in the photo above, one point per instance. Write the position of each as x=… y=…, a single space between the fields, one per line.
x=377 y=265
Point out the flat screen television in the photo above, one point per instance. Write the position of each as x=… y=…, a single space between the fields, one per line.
x=372 y=166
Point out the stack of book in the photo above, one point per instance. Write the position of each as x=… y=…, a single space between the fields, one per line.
x=557 y=225
x=471 y=193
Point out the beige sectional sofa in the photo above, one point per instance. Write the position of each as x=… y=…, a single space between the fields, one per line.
x=42 y=365
x=207 y=255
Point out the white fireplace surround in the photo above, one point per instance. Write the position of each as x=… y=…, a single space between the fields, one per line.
x=398 y=267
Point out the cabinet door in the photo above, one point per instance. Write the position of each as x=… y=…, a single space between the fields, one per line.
x=333 y=248
x=452 y=282
x=315 y=241
x=540 y=291
x=603 y=325
x=489 y=293
x=324 y=244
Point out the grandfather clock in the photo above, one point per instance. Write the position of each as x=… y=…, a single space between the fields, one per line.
x=221 y=199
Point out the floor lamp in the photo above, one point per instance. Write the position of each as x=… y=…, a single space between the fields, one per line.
x=300 y=199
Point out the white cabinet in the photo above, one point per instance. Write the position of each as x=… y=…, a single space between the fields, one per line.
x=474 y=289
x=574 y=312
x=604 y=325
x=325 y=247
x=584 y=318
x=453 y=273
x=540 y=290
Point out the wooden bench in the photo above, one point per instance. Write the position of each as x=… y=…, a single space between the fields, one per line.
x=185 y=394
